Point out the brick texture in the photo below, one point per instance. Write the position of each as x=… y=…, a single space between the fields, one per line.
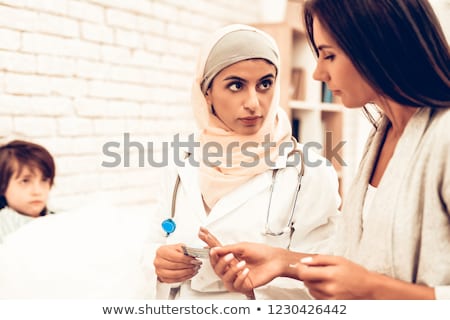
x=78 y=74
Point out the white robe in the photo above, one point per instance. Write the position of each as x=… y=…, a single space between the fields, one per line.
x=406 y=232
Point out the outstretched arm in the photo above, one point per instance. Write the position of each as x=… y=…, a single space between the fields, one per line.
x=265 y=262
x=258 y=263
x=331 y=277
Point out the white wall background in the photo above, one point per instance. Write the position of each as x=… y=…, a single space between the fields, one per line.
x=442 y=9
x=76 y=74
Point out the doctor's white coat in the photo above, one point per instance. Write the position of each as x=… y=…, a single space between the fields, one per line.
x=241 y=216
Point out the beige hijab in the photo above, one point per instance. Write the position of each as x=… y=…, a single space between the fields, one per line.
x=217 y=181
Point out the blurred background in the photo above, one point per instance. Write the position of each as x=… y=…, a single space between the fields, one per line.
x=78 y=74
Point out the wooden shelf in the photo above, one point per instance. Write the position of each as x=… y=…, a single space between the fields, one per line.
x=294 y=11
x=314 y=105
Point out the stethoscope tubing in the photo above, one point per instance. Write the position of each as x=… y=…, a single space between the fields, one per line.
x=169 y=225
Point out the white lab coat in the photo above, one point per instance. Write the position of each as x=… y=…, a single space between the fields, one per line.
x=241 y=216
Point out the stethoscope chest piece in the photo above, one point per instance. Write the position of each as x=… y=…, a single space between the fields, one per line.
x=168 y=226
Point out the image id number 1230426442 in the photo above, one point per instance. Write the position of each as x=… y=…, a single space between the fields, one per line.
x=307 y=309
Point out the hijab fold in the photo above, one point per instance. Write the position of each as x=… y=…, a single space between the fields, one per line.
x=237 y=158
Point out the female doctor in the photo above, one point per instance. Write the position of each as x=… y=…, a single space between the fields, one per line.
x=238 y=185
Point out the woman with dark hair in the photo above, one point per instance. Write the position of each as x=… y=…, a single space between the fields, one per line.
x=394 y=236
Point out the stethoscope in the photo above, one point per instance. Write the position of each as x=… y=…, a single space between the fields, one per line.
x=169 y=225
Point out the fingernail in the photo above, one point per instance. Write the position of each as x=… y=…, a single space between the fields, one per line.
x=240 y=264
x=293 y=265
x=196 y=262
x=246 y=270
x=229 y=257
x=306 y=260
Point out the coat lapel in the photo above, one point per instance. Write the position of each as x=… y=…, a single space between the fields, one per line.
x=229 y=203
x=240 y=195
x=189 y=183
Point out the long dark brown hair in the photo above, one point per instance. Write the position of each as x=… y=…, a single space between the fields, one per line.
x=398 y=46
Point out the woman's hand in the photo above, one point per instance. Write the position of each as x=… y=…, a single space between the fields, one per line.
x=264 y=262
x=230 y=270
x=171 y=265
x=332 y=277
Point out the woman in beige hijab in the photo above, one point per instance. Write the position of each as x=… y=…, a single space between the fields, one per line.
x=241 y=169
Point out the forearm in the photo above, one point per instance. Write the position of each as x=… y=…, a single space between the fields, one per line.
x=385 y=288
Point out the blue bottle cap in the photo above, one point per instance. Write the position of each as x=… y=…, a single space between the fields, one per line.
x=168 y=226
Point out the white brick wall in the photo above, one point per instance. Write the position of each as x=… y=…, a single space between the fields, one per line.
x=75 y=74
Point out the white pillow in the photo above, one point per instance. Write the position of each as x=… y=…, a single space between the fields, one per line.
x=92 y=252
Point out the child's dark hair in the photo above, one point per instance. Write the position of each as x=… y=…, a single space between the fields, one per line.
x=16 y=155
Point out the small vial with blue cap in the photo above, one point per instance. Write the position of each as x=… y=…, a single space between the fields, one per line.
x=168 y=226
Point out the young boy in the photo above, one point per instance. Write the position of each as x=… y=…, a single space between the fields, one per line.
x=27 y=171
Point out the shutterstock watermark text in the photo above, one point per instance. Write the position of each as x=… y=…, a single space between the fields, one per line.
x=214 y=154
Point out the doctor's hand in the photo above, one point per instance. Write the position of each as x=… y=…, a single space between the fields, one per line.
x=171 y=265
x=230 y=270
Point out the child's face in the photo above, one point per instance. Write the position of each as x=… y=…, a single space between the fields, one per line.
x=28 y=191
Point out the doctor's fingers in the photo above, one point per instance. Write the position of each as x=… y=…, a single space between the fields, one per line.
x=171 y=276
x=213 y=257
x=170 y=250
x=208 y=238
x=185 y=263
x=173 y=253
